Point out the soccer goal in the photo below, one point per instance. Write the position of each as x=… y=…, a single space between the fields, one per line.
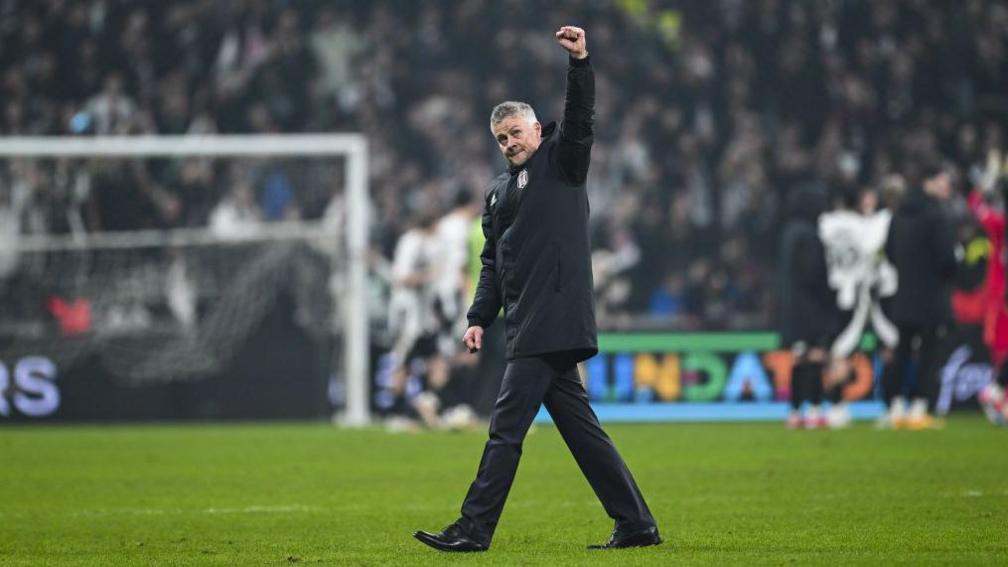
x=158 y=304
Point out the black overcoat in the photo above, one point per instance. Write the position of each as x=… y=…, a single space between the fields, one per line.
x=921 y=245
x=536 y=262
x=807 y=306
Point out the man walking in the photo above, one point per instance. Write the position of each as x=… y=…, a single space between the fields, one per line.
x=536 y=264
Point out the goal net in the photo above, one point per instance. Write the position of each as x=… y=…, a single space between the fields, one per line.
x=199 y=239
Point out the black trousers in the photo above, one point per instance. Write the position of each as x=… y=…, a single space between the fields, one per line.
x=806 y=383
x=921 y=345
x=553 y=381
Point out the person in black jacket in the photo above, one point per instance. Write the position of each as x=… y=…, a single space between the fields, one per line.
x=921 y=245
x=807 y=305
x=536 y=265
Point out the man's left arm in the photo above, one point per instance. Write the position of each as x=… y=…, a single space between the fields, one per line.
x=577 y=131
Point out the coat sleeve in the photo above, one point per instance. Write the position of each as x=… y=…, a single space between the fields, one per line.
x=487 y=302
x=577 y=132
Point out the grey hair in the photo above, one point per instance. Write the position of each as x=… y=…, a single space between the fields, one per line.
x=511 y=108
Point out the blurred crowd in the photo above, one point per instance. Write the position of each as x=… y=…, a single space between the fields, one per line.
x=709 y=115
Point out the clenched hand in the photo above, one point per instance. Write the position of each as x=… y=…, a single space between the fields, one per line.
x=573 y=40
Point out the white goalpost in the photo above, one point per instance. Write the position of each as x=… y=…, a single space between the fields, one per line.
x=352 y=148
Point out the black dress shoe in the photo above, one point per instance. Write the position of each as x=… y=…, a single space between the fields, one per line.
x=638 y=538
x=451 y=538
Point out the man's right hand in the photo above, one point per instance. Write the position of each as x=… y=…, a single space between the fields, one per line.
x=573 y=40
x=473 y=338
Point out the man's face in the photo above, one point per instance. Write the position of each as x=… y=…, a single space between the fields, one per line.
x=868 y=203
x=940 y=186
x=517 y=138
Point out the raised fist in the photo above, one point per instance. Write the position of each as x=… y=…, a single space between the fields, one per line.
x=573 y=40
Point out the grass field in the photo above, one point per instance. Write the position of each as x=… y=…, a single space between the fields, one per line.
x=276 y=494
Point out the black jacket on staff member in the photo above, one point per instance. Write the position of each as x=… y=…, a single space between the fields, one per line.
x=537 y=257
x=921 y=245
x=808 y=312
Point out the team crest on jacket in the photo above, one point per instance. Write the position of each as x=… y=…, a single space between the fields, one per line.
x=523 y=179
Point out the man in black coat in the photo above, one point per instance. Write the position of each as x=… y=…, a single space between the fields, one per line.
x=536 y=265
x=921 y=245
x=807 y=305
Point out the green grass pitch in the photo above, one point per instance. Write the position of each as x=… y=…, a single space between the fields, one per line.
x=281 y=494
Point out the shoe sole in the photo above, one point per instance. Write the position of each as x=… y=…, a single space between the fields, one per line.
x=659 y=541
